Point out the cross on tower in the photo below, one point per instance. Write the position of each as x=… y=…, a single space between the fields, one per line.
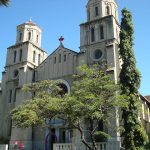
x=30 y=19
x=61 y=39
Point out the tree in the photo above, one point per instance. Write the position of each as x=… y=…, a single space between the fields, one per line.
x=92 y=98
x=4 y=2
x=134 y=135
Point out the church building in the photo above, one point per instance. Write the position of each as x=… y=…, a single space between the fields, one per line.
x=27 y=62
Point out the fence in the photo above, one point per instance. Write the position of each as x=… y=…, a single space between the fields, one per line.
x=80 y=146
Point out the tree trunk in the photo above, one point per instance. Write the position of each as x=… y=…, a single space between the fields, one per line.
x=93 y=142
x=91 y=132
x=82 y=137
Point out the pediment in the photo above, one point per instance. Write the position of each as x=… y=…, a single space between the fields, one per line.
x=62 y=49
x=61 y=62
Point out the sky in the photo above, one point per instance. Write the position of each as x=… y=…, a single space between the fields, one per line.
x=63 y=17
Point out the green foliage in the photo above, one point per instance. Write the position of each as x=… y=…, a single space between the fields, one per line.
x=44 y=104
x=92 y=97
x=147 y=146
x=134 y=133
x=93 y=92
x=129 y=76
x=101 y=136
x=4 y=2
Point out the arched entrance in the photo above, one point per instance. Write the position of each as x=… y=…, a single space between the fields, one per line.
x=50 y=139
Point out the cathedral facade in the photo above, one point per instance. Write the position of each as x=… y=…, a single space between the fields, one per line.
x=27 y=62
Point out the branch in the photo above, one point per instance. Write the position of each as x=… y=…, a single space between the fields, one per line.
x=91 y=132
x=82 y=135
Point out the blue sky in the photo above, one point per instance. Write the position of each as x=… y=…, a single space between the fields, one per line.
x=62 y=17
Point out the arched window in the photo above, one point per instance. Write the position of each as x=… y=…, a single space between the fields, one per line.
x=20 y=55
x=15 y=54
x=100 y=125
x=20 y=36
x=39 y=59
x=34 y=55
x=59 y=58
x=37 y=38
x=65 y=57
x=29 y=36
x=107 y=10
x=101 y=32
x=64 y=89
x=15 y=94
x=33 y=76
x=15 y=73
x=92 y=34
x=10 y=96
x=55 y=60
x=10 y=127
x=96 y=11
x=88 y=15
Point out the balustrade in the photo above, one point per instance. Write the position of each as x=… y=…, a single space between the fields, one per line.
x=80 y=146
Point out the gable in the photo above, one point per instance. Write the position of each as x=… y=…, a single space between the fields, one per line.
x=62 y=62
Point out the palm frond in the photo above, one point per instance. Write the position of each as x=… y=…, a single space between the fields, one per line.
x=4 y=2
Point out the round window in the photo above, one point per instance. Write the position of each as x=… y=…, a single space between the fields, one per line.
x=16 y=72
x=97 y=54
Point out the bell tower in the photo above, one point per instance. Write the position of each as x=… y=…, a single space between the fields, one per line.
x=22 y=58
x=101 y=8
x=29 y=32
x=27 y=47
x=99 y=40
x=99 y=35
